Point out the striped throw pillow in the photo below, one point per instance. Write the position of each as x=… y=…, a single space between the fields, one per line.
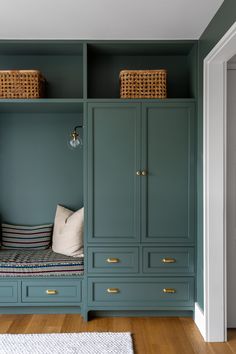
x=26 y=237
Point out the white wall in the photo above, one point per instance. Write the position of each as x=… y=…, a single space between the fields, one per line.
x=105 y=19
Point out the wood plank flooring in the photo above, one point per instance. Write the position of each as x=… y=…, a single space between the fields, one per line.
x=151 y=335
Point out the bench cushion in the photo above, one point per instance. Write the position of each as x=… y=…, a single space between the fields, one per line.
x=38 y=263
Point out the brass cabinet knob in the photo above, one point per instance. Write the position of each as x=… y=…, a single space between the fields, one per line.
x=113 y=290
x=51 y=292
x=168 y=260
x=169 y=291
x=144 y=173
x=113 y=260
x=138 y=173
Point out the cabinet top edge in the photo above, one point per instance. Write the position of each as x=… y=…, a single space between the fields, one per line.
x=106 y=47
x=136 y=100
x=99 y=41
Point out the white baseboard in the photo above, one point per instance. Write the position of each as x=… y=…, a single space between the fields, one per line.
x=200 y=320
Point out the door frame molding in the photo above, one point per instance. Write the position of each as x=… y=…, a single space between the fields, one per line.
x=214 y=187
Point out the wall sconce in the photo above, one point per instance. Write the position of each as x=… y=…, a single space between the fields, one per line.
x=75 y=138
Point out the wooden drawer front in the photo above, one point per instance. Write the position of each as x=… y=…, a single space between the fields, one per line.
x=168 y=260
x=51 y=291
x=141 y=292
x=113 y=260
x=8 y=291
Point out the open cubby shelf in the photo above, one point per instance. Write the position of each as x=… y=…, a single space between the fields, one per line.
x=60 y=62
x=105 y=61
x=90 y=69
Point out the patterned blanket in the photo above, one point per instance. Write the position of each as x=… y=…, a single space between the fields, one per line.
x=38 y=263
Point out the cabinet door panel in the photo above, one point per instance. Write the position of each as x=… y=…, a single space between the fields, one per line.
x=113 y=158
x=167 y=191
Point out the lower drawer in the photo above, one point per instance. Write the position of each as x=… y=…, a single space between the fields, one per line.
x=169 y=292
x=8 y=291
x=51 y=291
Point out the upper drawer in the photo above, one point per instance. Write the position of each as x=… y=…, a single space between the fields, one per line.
x=168 y=260
x=8 y=291
x=113 y=260
x=51 y=290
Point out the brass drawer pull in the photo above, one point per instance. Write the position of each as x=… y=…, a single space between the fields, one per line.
x=168 y=260
x=51 y=292
x=138 y=173
x=169 y=291
x=113 y=290
x=113 y=260
x=144 y=173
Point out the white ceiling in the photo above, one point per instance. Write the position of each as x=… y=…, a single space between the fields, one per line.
x=106 y=19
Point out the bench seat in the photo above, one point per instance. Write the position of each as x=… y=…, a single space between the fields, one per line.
x=31 y=263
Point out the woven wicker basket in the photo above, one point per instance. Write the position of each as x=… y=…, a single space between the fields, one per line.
x=21 y=84
x=143 y=83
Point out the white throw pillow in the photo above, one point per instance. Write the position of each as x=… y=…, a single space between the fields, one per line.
x=67 y=236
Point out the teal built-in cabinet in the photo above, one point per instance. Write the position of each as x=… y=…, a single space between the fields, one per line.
x=135 y=174
x=140 y=183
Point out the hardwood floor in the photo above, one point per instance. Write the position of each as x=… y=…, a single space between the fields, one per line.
x=151 y=335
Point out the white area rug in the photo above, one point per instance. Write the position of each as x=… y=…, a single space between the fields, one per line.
x=67 y=343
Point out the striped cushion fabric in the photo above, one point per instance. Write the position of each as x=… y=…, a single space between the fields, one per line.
x=26 y=237
x=31 y=263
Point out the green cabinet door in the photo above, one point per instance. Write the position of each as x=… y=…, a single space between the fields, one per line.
x=168 y=158
x=114 y=156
